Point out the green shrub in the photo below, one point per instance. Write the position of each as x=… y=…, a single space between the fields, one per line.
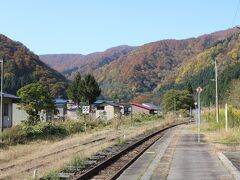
x=48 y=130
x=51 y=129
x=15 y=135
x=23 y=132
x=74 y=126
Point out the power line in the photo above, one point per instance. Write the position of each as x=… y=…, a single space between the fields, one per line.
x=235 y=15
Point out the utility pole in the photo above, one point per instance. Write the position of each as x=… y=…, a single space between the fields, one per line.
x=1 y=113
x=216 y=81
x=199 y=90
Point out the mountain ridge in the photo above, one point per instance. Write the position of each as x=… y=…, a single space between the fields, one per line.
x=151 y=66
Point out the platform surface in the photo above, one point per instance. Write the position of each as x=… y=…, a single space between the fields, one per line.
x=196 y=161
x=189 y=160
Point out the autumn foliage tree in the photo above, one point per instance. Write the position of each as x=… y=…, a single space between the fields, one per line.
x=141 y=99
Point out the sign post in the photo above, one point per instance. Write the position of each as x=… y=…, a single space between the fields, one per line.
x=85 y=110
x=199 y=90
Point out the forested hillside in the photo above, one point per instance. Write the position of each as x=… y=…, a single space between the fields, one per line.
x=153 y=68
x=21 y=67
x=69 y=64
x=200 y=69
x=156 y=66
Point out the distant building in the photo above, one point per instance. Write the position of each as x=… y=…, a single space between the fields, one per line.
x=19 y=114
x=106 y=109
x=61 y=105
x=7 y=114
x=145 y=108
x=125 y=108
x=156 y=108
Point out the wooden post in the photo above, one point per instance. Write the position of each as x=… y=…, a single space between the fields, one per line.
x=226 y=117
x=85 y=124
x=35 y=174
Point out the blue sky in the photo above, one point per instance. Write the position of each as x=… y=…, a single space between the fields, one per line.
x=78 y=26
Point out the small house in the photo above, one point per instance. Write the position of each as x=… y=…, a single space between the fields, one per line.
x=145 y=108
x=125 y=108
x=7 y=109
x=106 y=109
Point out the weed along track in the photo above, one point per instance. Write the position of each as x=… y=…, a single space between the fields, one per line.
x=53 y=153
x=69 y=155
x=121 y=158
x=37 y=162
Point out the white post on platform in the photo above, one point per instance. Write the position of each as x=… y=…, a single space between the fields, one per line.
x=226 y=117
x=195 y=103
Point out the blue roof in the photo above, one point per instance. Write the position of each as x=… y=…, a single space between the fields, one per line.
x=11 y=96
x=60 y=101
x=151 y=106
x=102 y=101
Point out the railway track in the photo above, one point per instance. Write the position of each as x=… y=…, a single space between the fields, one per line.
x=113 y=166
x=38 y=163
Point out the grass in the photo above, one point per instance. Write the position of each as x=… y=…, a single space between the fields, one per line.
x=78 y=160
x=216 y=132
x=51 y=175
x=120 y=141
x=23 y=153
x=24 y=133
x=131 y=128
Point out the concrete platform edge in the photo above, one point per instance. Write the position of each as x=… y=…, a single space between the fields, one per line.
x=228 y=164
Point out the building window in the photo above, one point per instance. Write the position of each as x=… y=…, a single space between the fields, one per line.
x=5 y=109
x=100 y=107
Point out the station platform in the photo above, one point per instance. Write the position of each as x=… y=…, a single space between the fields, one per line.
x=177 y=156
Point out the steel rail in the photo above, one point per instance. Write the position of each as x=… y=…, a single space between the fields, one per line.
x=95 y=170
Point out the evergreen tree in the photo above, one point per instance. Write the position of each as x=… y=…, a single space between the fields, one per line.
x=84 y=89
x=75 y=90
x=91 y=89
